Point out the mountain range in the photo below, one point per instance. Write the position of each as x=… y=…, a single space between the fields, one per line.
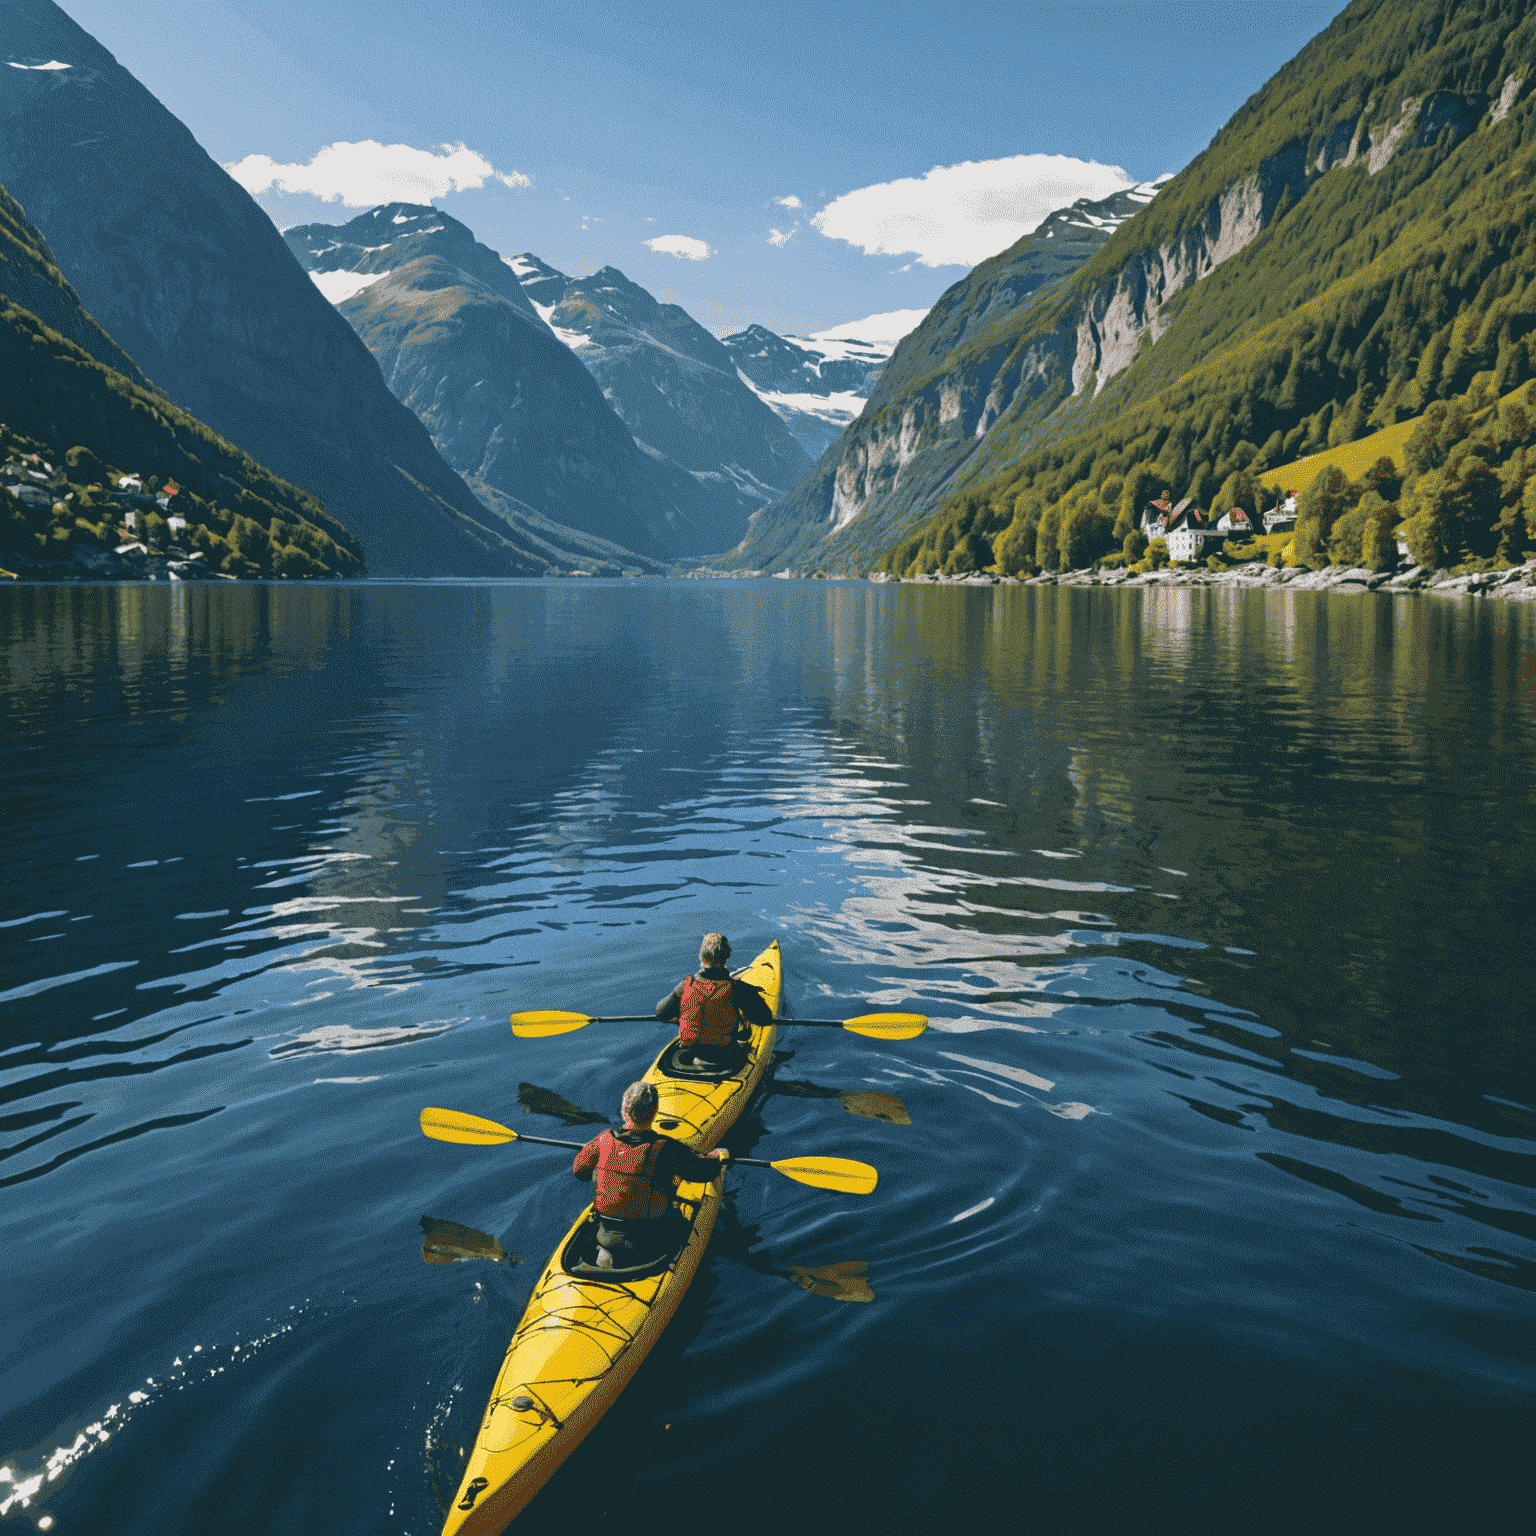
x=1351 y=249
x=676 y=388
x=189 y=278
x=583 y=402
x=463 y=413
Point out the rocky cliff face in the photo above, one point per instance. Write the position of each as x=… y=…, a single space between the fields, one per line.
x=941 y=389
x=892 y=465
x=675 y=387
x=190 y=278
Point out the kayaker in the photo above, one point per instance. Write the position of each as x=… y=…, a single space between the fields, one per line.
x=709 y=1005
x=636 y=1170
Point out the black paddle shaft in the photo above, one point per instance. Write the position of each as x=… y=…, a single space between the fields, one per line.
x=545 y=1141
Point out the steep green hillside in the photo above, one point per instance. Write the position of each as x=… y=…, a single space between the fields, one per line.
x=30 y=277
x=71 y=427
x=1401 y=270
x=870 y=474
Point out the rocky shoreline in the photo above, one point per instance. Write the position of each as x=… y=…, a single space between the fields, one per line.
x=1516 y=584
x=134 y=564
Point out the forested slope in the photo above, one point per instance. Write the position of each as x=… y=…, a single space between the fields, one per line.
x=1394 y=268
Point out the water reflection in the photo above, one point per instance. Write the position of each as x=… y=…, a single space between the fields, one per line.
x=450 y=1242
x=544 y=1101
x=1220 y=905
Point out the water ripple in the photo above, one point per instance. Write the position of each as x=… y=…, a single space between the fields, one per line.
x=1262 y=1098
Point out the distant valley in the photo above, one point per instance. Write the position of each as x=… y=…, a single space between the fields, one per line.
x=818 y=384
x=1351 y=252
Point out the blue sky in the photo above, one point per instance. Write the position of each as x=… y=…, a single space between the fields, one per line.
x=593 y=128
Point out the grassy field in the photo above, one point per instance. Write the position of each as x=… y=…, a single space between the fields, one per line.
x=1356 y=457
x=1353 y=458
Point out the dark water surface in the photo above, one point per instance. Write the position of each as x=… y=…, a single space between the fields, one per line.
x=1215 y=1212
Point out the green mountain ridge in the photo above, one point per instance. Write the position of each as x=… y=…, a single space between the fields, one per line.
x=1401 y=273
x=1285 y=237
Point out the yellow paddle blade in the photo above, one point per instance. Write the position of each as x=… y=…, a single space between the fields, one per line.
x=888 y=1026
x=839 y=1173
x=471 y=1130
x=538 y=1022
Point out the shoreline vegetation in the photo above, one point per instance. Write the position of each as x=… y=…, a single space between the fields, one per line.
x=72 y=517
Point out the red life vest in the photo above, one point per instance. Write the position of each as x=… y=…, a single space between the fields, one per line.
x=708 y=1013
x=625 y=1178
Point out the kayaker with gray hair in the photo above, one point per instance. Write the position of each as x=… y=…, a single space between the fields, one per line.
x=709 y=1006
x=636 y=1170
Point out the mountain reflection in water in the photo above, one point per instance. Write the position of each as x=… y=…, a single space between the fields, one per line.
x=1213 y=1168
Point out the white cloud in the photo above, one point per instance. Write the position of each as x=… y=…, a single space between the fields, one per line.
x=886 y=329
x=684 y=246
x=360 y=175
x=789 y=202
x=958 y=215
x=782 y=236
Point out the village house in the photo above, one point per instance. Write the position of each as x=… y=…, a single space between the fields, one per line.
x=1235 y=524
x=1282 y=519
x=1188 y=529
x=1154 y=521
x=1183 y=527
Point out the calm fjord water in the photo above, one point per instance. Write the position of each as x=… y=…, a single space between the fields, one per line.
x=1215 y=1211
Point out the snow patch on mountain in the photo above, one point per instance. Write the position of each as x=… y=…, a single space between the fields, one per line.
x=818 y=384
x=575 y=340
x=1145 y=191
x=338 y=287
x=835 y=411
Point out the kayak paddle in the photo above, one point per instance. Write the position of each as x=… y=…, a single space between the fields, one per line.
x=539 y=1022
x=836 y=1173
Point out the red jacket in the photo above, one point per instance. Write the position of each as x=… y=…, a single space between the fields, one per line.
x=708 y=1012
x=636 y=1171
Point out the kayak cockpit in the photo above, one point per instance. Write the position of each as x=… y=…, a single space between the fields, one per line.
x=670 y=1064
x=579 y=1256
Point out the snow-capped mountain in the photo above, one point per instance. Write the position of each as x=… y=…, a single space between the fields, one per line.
x=506 y=400
x=675 y=386
x=818 y=384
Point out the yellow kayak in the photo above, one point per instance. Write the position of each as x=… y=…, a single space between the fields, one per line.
x=585 y=1331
